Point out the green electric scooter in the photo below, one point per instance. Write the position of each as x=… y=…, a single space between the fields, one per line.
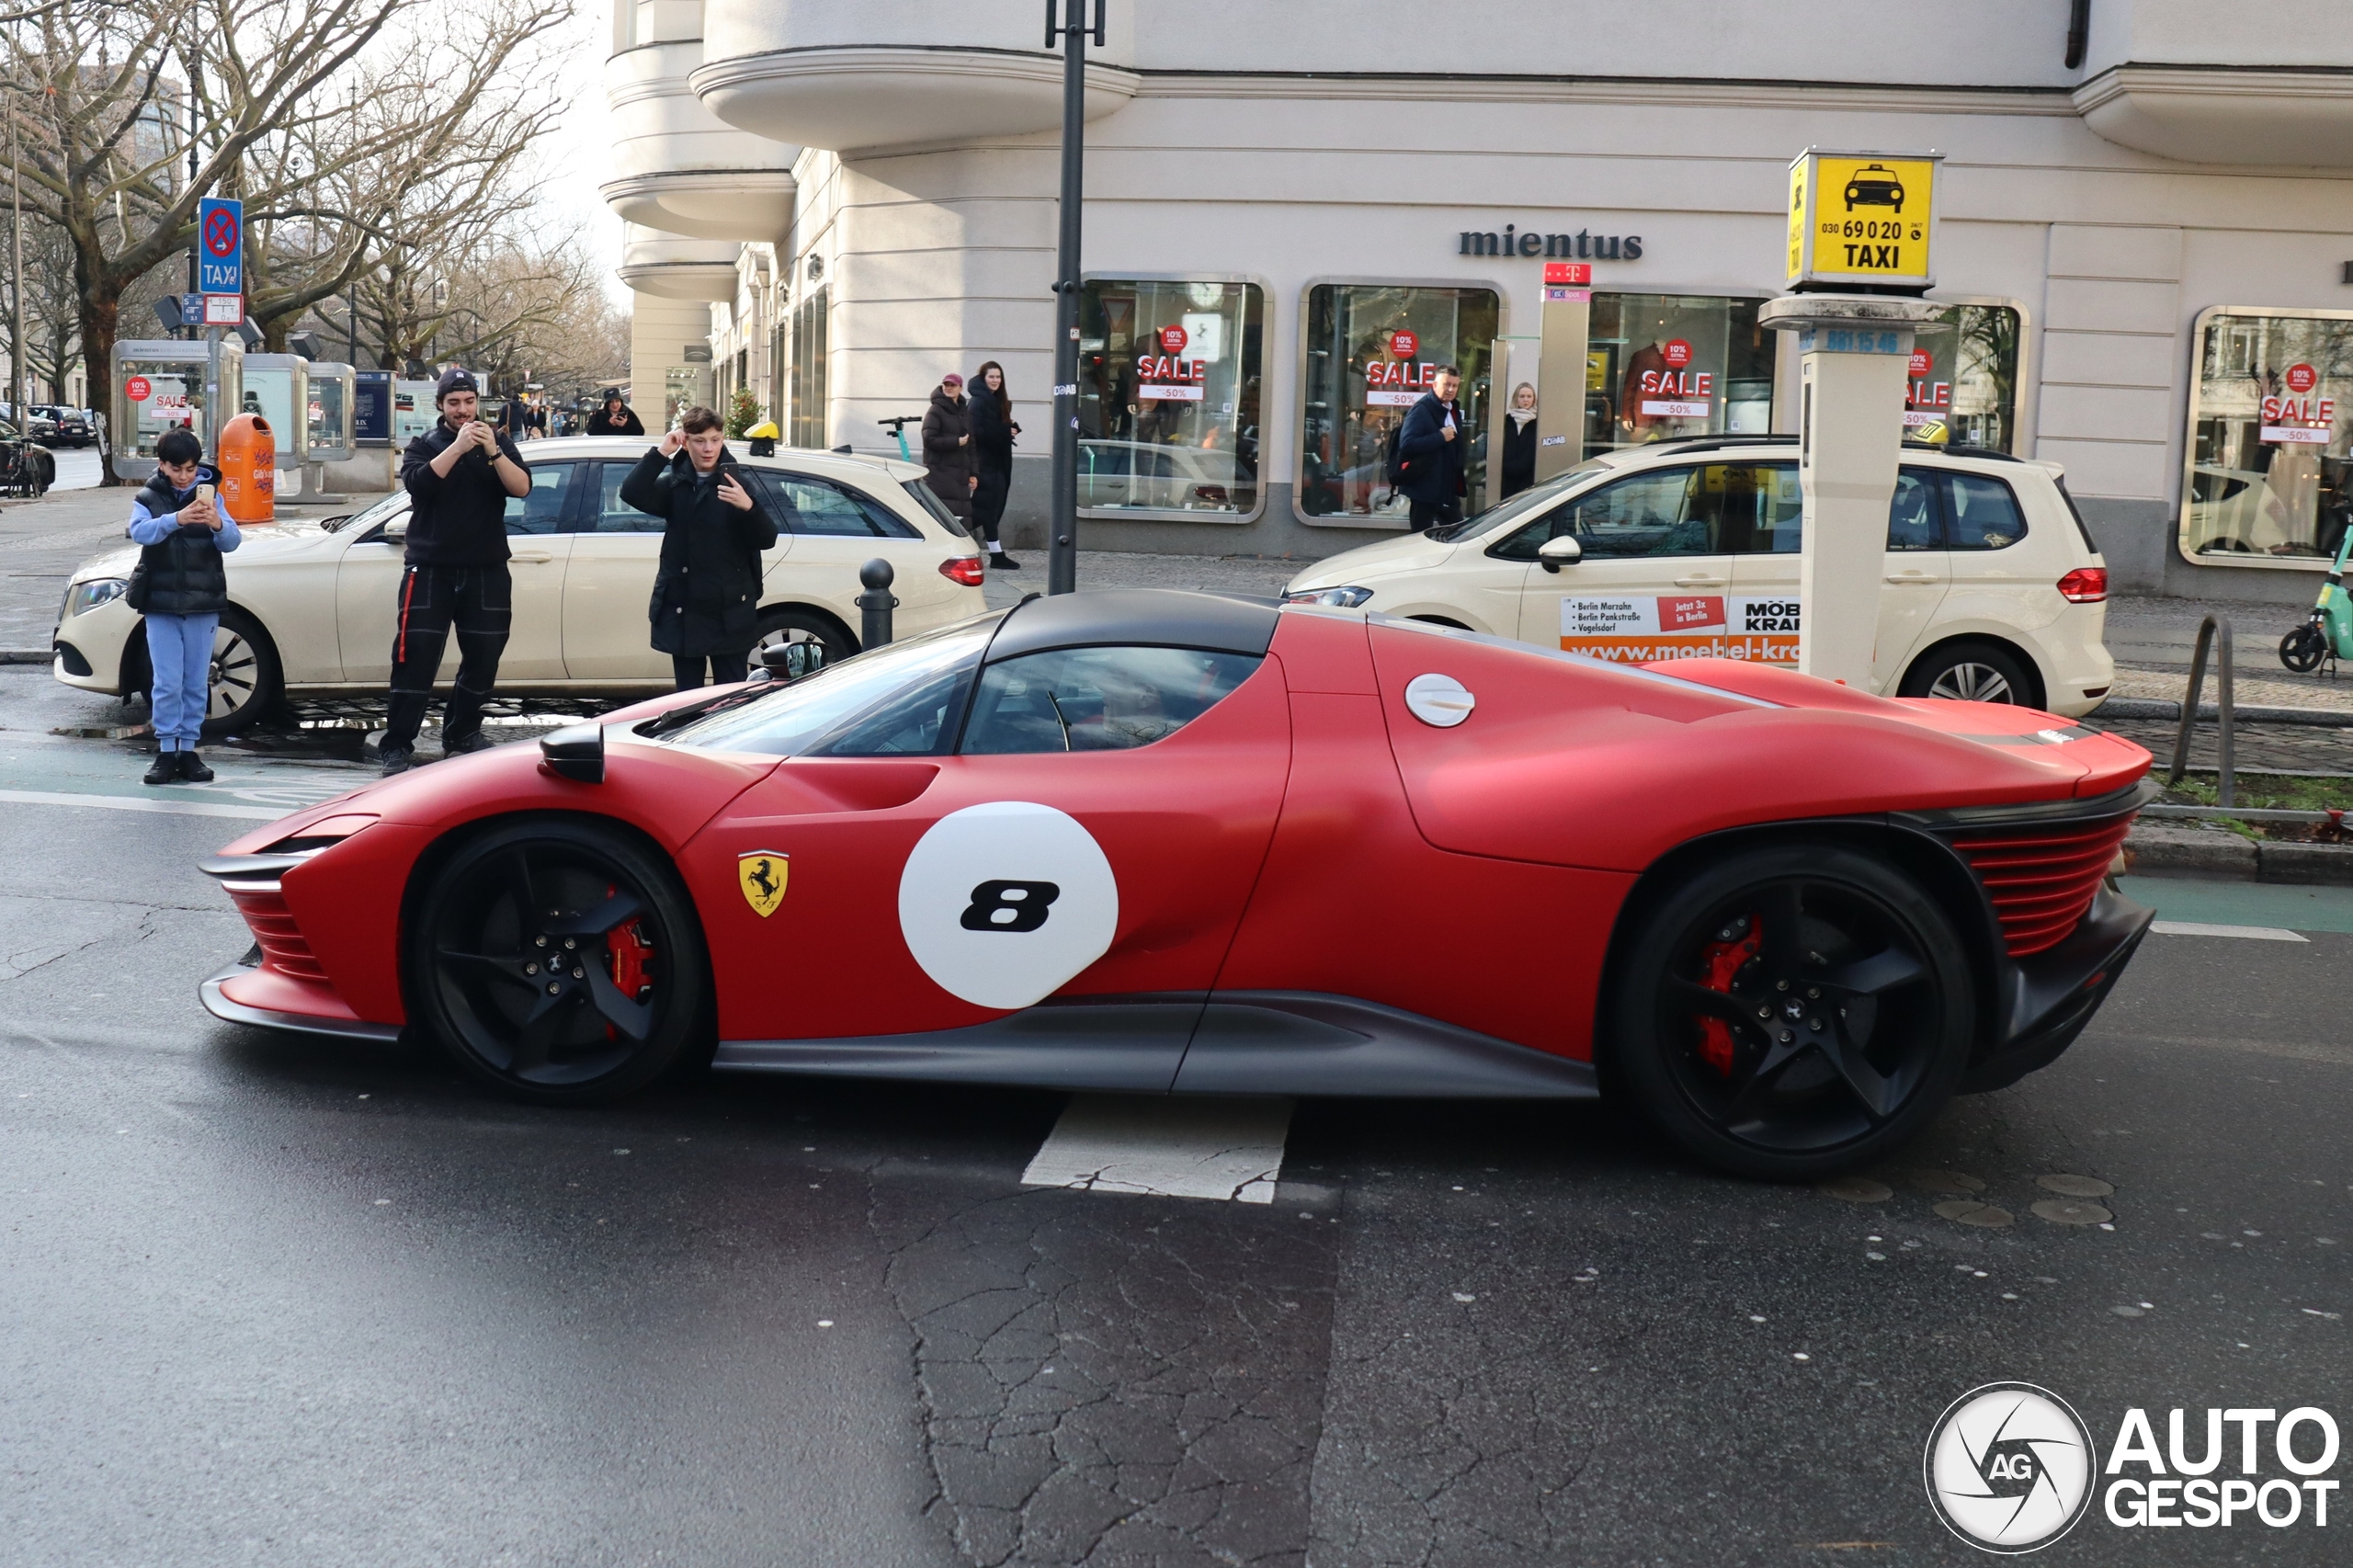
x=2328 y=634
x=897 y=425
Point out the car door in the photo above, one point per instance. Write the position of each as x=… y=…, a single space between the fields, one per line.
x=1767 y=572
x=1652 y=578
x=1094 y=836
x=367 y=582
x=833 y=529
x=1997 y=578
x=608 y=584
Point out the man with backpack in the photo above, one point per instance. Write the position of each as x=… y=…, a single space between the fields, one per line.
x=1432 y=446
x=181 y=586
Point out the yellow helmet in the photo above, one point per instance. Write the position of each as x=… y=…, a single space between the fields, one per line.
x=765 y=430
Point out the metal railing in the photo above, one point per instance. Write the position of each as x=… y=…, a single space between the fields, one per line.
x=2213 y=629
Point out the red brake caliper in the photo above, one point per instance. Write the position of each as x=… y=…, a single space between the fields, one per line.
x=632 y=958
x=1722 y=962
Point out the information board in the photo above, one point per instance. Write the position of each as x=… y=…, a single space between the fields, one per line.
x=1862 y=218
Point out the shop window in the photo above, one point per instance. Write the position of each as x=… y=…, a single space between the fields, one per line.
x=809 y=374
x=1168 y=396
x=1372 y=350
x=1963 y=385
x=2268 y=437
x=1665 y=366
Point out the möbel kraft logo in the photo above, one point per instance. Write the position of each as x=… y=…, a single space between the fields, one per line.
x=2009 y=1467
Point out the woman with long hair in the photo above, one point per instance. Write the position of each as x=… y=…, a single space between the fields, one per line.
x=993 y=434
x=1519 y=442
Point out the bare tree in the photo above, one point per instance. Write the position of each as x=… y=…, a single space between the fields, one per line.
x=284 y=97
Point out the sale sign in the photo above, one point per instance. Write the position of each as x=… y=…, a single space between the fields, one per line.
x=136 y=389
x=1173 y=340
x=1921 y=363
x=2301 y=378
x=1167 y=378
x=1403 y=345
x=1677 y=352
x=1676 y=394
x=1640 y=629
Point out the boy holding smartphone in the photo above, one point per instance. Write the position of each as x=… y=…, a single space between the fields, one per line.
x=181 y=585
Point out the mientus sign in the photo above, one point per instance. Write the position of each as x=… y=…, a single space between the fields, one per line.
x=1583 y=246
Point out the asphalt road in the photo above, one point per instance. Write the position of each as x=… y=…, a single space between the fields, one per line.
x=268 y=1300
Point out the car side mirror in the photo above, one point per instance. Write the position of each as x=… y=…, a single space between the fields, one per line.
x=396 y=531
x=1555 y=553
x=788 y=662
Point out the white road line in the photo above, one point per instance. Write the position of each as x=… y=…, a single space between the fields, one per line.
x=132 y=803
x=1165 y=1146
x=2199 y=928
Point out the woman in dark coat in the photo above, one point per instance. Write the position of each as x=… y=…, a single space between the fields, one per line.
x=1520 y=441
x=706 y=605
x=948 y=447
x=992 y=432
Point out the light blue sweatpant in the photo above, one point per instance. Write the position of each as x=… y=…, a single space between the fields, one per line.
x=179 y=650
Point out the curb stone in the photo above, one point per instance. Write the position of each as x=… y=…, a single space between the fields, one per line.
x=2157 y=707
x=2157 y=848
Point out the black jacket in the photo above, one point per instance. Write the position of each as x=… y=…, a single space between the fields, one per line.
x=1520 y=456
x=951 y=461
x=184 y=574
x=460 y=520
x=707 y=590
x=628 y=424
x=1433 y=464
x=992 y=433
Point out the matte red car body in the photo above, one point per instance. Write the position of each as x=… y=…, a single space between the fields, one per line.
x=1307 y=834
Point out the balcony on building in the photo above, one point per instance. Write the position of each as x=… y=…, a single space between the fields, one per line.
x=670 y=268
x=2170 y=78
x=677 y=168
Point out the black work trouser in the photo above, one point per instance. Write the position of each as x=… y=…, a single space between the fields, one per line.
x=1423 y=516
x=726 y=669
x=988 y=503
x=478 y=601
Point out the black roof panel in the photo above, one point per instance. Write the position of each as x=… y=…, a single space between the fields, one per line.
x=1160 y=618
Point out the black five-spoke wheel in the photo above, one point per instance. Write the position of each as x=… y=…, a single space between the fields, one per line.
x=1794 y=1011
x=559 y=960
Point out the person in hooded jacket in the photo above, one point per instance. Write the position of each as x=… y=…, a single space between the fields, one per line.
x=182 y=528
x=706 y=605
x=948 y=447
x=993 y=434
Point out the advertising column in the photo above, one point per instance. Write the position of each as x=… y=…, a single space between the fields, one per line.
x=1560 y=367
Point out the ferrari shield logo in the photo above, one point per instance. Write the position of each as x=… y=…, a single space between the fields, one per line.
x=760 y=873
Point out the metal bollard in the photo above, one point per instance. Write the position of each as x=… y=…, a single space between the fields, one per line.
x=2213 y=632
x=876 y=604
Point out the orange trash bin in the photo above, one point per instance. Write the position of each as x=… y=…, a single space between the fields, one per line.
x=248 y=462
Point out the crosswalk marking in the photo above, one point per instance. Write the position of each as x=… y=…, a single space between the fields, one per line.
x=1165 y=1146
x=137 y=803
x=2202 y=928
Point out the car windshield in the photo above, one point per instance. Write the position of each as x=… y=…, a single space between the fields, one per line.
x=1529 y=500
x=396 y=502
x=868 y=703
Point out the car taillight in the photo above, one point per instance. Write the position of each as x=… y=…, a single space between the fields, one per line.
x=2085 y=585
x=964 y=569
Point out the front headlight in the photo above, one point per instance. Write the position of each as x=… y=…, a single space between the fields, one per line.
x=89 y=596
x=1338 y=598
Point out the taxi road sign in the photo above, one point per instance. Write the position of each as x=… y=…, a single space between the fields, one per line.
x=1862 y=218
x=220 y=245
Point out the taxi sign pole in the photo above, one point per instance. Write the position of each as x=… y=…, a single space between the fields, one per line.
x=1860 y=224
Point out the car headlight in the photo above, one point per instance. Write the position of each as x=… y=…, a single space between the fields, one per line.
x=1338 y=598
x=89 y=596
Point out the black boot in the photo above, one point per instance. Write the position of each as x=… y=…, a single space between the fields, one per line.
x=163 y=769
x=192 y=767
x=999 y=560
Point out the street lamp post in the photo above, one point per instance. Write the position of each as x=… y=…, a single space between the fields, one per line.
x=1062 y=550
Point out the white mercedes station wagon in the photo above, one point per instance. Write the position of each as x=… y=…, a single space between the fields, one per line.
x=311 y=602
x=1993 y=589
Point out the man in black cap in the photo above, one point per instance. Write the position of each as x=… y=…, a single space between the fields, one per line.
x=459 y=475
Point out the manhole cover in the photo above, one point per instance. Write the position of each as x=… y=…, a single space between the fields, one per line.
x=2071 y=1212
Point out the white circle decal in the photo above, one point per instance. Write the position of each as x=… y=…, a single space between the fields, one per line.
x=1003 y=904
x=2010 y=1468
x=1438 y=701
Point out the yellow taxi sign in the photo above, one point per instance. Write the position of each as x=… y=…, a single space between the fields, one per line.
x=1861 y=217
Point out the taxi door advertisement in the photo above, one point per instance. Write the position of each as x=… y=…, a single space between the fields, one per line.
x=1637 y=628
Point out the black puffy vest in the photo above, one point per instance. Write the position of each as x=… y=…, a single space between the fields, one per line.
x=185 y=574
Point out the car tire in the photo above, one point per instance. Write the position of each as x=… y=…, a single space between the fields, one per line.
x=247 y=680
x=1973 y=671
x=629 y=1009
x=1880 y=1036
x=791 y=623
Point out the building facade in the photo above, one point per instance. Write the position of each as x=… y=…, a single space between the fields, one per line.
x=1294 y=214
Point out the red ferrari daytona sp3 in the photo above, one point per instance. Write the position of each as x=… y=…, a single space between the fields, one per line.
x=1178 y=842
